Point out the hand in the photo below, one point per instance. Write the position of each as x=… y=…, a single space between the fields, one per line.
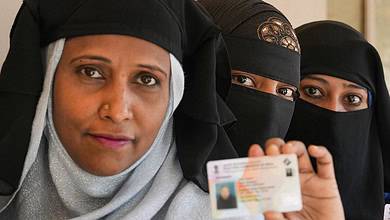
x=320 y=196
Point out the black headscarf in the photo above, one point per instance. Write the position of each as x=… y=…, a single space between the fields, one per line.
x=358 y=140
x=175 y=25
x=260 y=40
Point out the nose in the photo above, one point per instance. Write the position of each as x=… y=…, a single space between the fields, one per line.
x=268 y=86
x=117 y=104
x=335 y=104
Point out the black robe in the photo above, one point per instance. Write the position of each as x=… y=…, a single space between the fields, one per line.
x=254 y=32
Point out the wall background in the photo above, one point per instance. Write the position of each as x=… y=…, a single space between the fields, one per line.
x=8 y=10
x=302 y=11
x=299 y=12
x=382 y=42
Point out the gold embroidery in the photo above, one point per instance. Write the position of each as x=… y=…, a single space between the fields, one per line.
x=278 y=32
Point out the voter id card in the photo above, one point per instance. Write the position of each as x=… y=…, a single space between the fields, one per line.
x=250 y=186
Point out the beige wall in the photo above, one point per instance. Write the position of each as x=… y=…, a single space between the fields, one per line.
x=8 y=10
x=347 y=11
x=304 y=11
x=301 y=11
x=382 y=41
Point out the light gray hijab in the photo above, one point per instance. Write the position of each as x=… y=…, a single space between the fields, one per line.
x=53 y=187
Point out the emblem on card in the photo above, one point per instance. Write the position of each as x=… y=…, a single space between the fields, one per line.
x=287 y=161
x=216 y=169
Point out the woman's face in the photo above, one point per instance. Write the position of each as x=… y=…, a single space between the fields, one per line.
x=225 y=192
x=264 y=84
x=110 y=97
x=333 y=93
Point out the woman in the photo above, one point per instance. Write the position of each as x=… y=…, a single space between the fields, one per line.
x=345 y=106
x=102 y=141
x=265 y=57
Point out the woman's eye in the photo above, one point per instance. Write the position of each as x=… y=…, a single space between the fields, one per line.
x=243 y=80
x=147 y=80
x=288 y=92
x=353 y=99
x=91 y=72
x=313 y=92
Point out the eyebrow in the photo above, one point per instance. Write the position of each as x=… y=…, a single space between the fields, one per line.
x=91 y=57
x=153 y=68
x=105 y=60
x=317 y=79
x=345 y=85
x=354 y=86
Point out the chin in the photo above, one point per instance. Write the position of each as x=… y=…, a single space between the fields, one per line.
x=106 y=167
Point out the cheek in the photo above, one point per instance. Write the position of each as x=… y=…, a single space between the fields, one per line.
x=150 y=113
x=69 y=101
x=72 y=110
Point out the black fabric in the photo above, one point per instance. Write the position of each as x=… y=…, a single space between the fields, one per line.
x=263 y=59
x=260 y=116
x=357 y=140
x=229 y=203
x=239 y=21
x=357 y=158
x=230 y=15
x=20 y=86
x=176 y=25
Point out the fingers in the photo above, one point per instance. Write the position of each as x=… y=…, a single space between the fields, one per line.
x=274 y=216
x=273 y=146
x=299 y=149
x=324 y=161
x=255 y=151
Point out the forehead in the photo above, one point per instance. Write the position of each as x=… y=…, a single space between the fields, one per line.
x=260 y=78
x=332 y=81
x=117 y=47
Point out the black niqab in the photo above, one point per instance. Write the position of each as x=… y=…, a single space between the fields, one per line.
x=260 y=40
x=175 y=25
x=357 y=139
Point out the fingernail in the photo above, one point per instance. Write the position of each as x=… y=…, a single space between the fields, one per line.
x=316 y=147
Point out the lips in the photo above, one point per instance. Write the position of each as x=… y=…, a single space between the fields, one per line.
x=112 y=141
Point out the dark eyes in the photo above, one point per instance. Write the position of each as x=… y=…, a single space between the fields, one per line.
x=286 y=92
x=143 y=78
x=243 y=80
x=349 y=99
x=147 y=80
x=353 y=100
x=313 y=92
x=91 y=72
